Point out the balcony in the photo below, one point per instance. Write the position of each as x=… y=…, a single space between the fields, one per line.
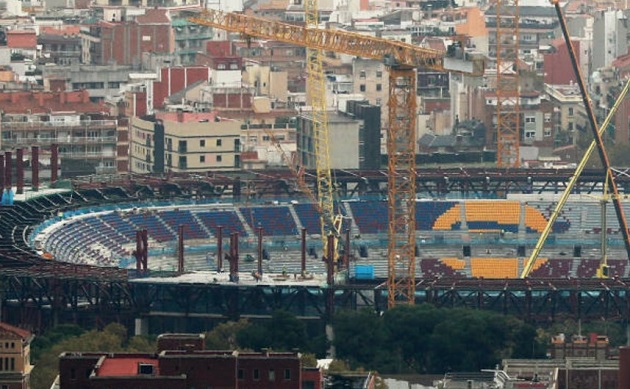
x=26 y=142
x=42 y=125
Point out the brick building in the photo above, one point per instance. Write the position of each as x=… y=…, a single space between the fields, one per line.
x=188 y=367
x=173 y=80
x=15 y=357
x=123 y=43
x=85 y=132
x=556 y=63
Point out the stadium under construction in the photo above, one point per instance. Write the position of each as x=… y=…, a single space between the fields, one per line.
x=114 y=249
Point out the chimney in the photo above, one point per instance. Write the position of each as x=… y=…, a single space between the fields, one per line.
x=180 y=115
x=62 y=97
x=40 y=99
x=86 y=96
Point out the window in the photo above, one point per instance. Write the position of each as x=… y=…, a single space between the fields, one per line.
x=241 y=374
x=378 y=101
x=202 y=143
x=362 y=74
x=202 y=158
x=570 y=126
x=256 y=374
x=219 y=142
x=530 y=119
x=379 y=74
x=570 y=111
x=362 y=87
x=379 y=87
x=287 y=374
x=272 y=375
x=219 y=158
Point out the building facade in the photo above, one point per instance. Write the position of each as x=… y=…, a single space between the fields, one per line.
x=85 y=133
x=184 y=142
x=15 y=357
x=353 y=138
x=186 y=366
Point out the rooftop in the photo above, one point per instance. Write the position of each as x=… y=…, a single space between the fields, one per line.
x=121 y=365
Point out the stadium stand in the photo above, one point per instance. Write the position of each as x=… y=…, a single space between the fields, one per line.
x=192 y=229
x=427 y=213
x=552 y=268
x=484 y=216
x=226 y=218
x=449 y=220
x=433 y=267
x=275 y=220
x=309 y=217
x=153 y=224
x=370 y=217
x=494 y=267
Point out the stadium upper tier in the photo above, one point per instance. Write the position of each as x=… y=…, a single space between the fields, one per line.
x=106 y=235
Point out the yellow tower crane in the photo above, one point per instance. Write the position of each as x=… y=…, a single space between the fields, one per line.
x=402 y=59
x=330 y=221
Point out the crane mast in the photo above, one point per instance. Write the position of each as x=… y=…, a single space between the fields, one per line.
x=508 y=84
x=402 y=59
x=316 y=90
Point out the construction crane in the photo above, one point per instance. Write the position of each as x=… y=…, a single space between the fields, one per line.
x=330 y=221
x=508 y=83
x=597 y=143
x=402 y=59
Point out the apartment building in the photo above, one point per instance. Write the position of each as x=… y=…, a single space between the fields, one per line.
x=15 y=357
x=610 y=36
x=124 y=42
x=100 y=81
x=537 y=127
x=190 y=38
x=184 y=142
x=536 y=26
x=85 y=132
x=568 y=116
x=354 y=138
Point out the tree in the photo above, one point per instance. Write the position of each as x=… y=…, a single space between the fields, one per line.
x=309 y=360
x=360 y=337
x=224 y=335
x=283 y=332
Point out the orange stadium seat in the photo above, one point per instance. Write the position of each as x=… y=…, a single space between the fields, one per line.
x=455 y=263
x=448 y=219
x=534 y=220
x=494 y=267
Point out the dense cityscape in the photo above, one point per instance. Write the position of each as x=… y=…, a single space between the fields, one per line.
x=314 y=194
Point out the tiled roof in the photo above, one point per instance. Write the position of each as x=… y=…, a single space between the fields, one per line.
x=48 y=102
x=123 y=367
x=22 y=333
x=436 y=44
x=60 y=30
